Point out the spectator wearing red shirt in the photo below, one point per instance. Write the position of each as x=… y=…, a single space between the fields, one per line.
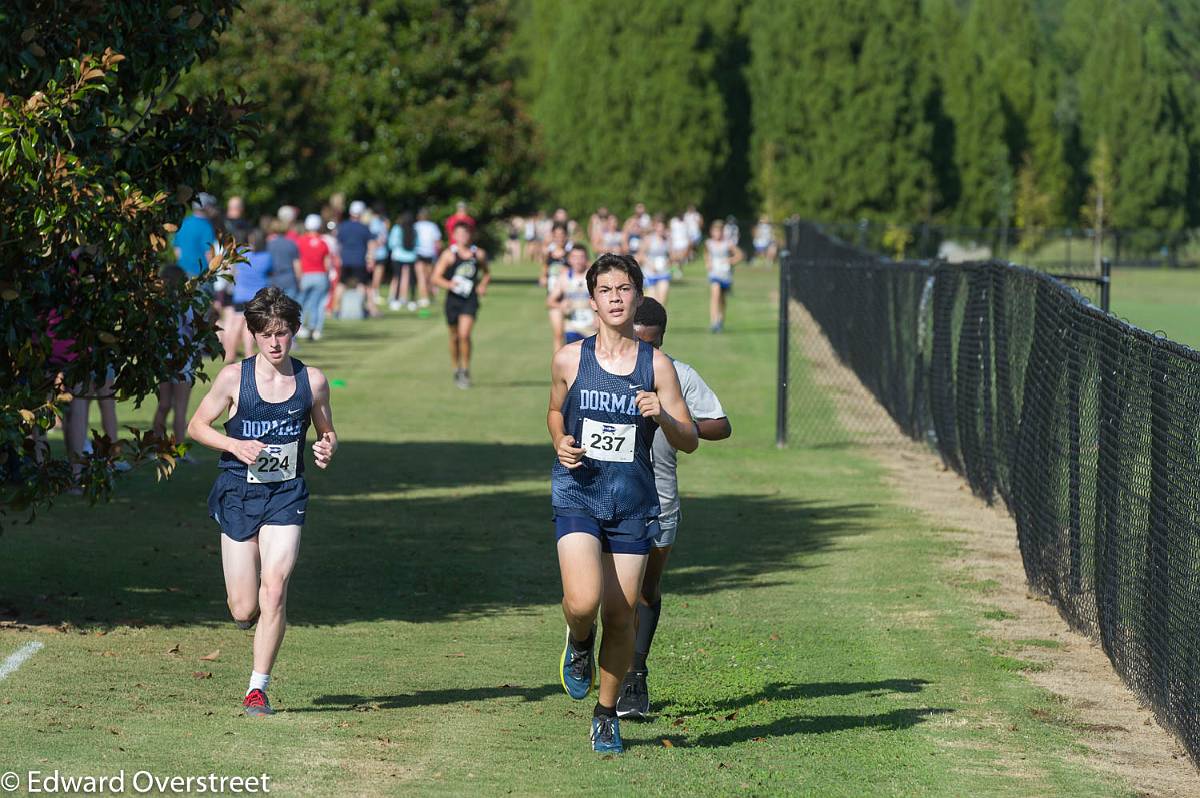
x=316 y=261
x=460 y=215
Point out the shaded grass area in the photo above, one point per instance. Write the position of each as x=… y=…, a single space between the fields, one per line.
x=811 y=643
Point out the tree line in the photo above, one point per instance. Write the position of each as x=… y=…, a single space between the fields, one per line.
x=971 y=112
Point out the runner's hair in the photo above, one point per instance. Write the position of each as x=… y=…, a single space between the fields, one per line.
x=609 y=262
x=271 y=305
x=651 y=313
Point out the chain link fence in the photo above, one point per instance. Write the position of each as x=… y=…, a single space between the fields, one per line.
x=1082 y=425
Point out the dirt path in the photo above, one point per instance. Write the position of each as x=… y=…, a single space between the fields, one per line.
x=1121 y=733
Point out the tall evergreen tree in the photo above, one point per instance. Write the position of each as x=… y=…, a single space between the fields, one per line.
x=1131 y=92
x=628 y=101
x=841 y=98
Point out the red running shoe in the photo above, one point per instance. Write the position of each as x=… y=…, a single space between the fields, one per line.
x=256 y=704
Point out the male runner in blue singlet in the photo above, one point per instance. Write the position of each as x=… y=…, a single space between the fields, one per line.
x=608 y=395
x=260 y=499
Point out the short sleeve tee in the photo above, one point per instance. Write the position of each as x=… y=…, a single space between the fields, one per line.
x=428 y=237
x=194 y=238
x=702 y=403
x=313 y=251
x=354 y=239
x=284 y=254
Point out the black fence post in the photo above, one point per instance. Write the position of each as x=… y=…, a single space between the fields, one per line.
x=785 y=296
x=1105 y=283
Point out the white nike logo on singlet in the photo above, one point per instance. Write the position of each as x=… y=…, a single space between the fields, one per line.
x=294 y=412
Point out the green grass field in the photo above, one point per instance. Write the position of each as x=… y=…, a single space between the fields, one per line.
x=814 y=640
x=1160 y=300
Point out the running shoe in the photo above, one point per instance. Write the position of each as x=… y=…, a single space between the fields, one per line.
x=634 y=701
x=577 y=668
x=256 y=705
x=302 y=334
x=606 y=735
x=316 y=335
x=395 y=304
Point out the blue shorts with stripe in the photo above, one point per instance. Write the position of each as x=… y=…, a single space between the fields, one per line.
x=242 y=507
x=618 y=536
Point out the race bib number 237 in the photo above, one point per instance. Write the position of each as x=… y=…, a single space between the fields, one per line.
x=611 y=442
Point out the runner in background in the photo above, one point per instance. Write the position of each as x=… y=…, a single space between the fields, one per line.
x=657 y=261
x=569 y=293
x=720 y=256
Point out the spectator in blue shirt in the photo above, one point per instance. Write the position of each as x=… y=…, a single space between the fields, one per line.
x=195 y=239
x=249 y=278
x=356 y=244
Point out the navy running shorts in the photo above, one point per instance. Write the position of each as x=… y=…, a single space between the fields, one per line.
x=622 y=536
x=242 y=507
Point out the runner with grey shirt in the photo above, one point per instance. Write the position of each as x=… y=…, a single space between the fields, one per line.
x=650 y=324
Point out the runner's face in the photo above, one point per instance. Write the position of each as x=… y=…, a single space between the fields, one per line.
x=578 y=261
x=615 y=299
x=462 y=236
x=275 y=343
x=651 y=335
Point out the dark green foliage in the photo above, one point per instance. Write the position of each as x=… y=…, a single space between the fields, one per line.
x=629 y=100
x=404 y=101
x=97 y=163
x=841 y=95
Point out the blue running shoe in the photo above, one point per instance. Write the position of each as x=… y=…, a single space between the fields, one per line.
x=577 y=669
x=606 y=735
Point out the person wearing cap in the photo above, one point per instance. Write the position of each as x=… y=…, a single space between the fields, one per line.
x=316 y=261
x=355 y=242
x=460 y=215
x=195 y=238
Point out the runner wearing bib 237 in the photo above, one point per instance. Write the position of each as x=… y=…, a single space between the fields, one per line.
x=608 y=395
x=259 y=498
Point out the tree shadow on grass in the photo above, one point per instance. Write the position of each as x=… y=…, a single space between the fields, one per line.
x=418 y=532
x=779 y=691
x=427 y=698
x=895 y=720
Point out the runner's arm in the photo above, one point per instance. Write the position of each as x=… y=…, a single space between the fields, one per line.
x=565 y=361
x=714 y=429
x=322 y=419
x=485 y=267
x=736 y=255
x=439 y=279
x=215 y=403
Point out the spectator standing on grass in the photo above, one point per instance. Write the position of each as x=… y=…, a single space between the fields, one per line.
x=429 y=243
x=285 y=260
x=355 y=246
x=235 y=220
x=174 y=394
x=316 y=264
x=195 y=239
x=460 y=215
x=250 y=276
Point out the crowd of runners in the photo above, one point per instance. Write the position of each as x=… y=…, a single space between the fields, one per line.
x=620 y=409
